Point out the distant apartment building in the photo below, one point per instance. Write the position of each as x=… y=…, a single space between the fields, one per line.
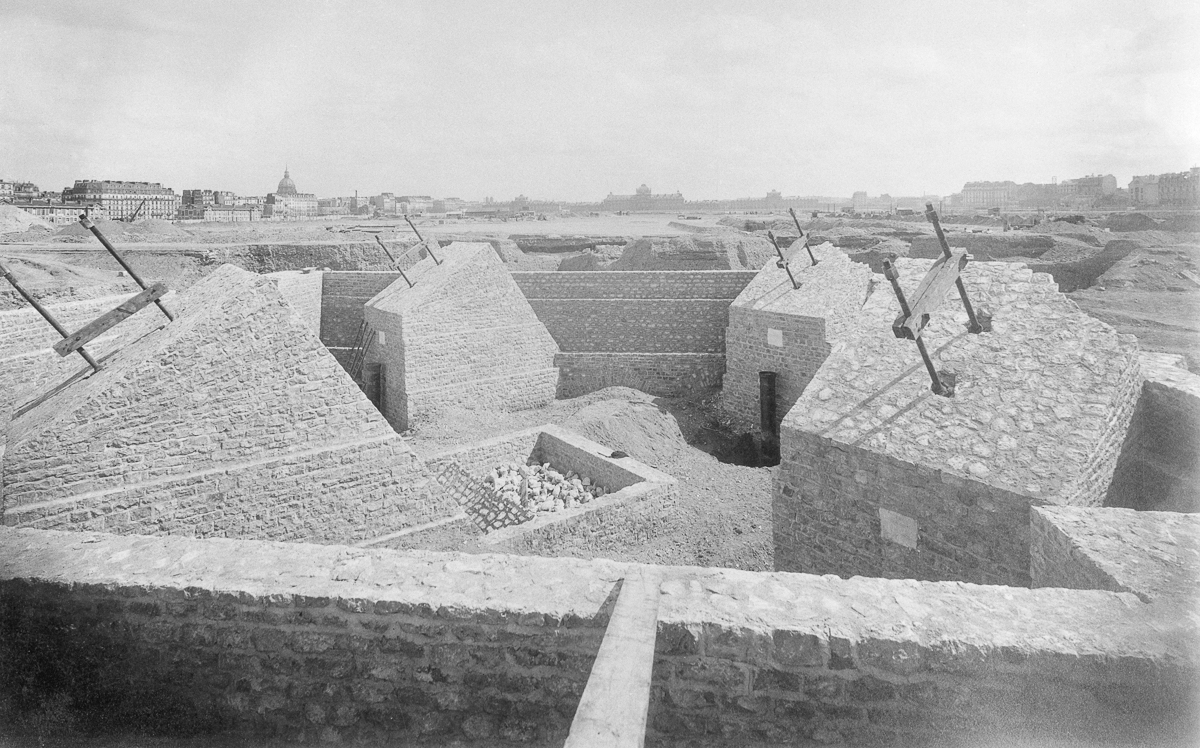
x=6 y=191
x=333 y=206
x=1180 y=190
x=414 y=204
x=287 y=203
x=1082 y=192
x=1143 y=191
x=218 y=205
x=125 y=199
x=59 y=213
x=384 y=204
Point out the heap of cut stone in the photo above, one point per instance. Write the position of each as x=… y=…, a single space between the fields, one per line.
x=541 y=488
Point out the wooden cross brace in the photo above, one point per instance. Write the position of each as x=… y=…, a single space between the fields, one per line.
x=109 y=320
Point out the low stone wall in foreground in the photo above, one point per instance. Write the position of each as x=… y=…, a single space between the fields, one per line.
x=307 y=642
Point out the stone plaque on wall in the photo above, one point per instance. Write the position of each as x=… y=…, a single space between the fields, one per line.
x=898 y=528
x=774 y=337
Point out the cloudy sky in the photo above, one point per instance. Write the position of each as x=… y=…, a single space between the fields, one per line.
x=575 y=100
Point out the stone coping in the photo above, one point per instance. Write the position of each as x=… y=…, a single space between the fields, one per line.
x=821 y=286
x=951 y=626
x=1152 y=554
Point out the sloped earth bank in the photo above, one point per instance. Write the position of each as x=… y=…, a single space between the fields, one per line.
x=724 y=510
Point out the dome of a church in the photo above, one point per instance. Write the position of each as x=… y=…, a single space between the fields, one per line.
x=286 y=185
x=643 y=190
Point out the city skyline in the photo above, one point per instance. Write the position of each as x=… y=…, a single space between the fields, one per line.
x=713 y=101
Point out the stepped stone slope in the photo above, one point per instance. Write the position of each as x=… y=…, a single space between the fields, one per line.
x=881 y=477
x=233 y=420
x=463 y=334
x=778 y=328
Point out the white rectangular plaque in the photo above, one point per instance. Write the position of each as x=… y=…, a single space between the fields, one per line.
x=774 y=337
x=898 y=528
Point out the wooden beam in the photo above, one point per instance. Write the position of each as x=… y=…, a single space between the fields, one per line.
x=109 y=320
x=612 y=712
x=931 y=293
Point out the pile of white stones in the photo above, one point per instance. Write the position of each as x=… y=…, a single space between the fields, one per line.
x=541 y=488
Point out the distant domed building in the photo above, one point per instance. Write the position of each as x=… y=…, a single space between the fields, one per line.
x=287 y=203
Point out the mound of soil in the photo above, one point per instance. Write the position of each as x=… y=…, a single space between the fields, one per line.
x=149 y=230
x=629 y=420
x=1129 y=222
x=13 y=220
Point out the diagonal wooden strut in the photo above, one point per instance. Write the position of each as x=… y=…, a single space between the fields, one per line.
x=87 y=224
x=387 y=252
x=109 y=320
x=783 y=262
x=932 y=216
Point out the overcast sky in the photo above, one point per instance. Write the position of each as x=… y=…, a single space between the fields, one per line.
x=575 y=100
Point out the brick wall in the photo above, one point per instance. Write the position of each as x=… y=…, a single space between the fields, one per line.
x=1159 y=467
x=659 y=331
x=307 y=643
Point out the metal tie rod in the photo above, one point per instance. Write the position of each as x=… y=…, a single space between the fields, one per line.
x=87 y=224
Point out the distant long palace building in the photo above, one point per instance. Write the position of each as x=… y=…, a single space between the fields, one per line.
x=643 y=200
x=122 y=199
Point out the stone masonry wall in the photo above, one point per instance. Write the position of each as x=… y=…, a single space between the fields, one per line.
x=233 y=419
x=879 y=476
x=749 y=351
x=835 y=507
x=659 y=331
x=1159 y=467
x=303 y=292
x=463 y=336
x=658 y=374
x=342 y=298
x=27 y=360
x=1154 y=555
x=790 y=331
x=305 y=643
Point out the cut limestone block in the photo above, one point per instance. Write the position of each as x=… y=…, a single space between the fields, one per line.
x=463 y=335
x=233 y=420
x=775 y=327
x=881 y=477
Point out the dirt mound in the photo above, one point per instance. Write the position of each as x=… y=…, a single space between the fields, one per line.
x=985 y=247
x=13 y=220
x=558 y=243
x=708 y=251
x=1129 y=222
x=149 y=230
x=628 y=420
